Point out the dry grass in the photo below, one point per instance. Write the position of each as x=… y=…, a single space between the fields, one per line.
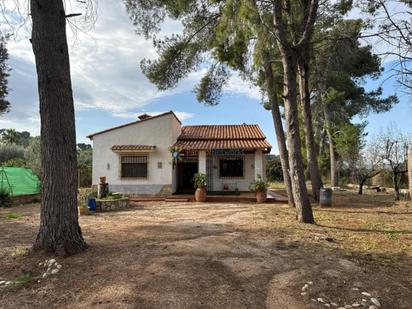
x=189 y=255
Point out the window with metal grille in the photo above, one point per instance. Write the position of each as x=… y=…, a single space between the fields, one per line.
x=134 y=166
x=231 y=167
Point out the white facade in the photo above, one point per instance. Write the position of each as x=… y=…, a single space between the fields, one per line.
x=162 y=175
x=160 y=132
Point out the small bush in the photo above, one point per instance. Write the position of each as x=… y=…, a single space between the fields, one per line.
x=15 y=162
x=84 y=194
x=8 y=152
x=258 y=185
x=5 y=198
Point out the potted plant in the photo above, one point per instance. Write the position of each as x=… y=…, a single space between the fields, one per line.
x=199 y=180
x=260 y=187
x=83 y=200
x=83 y=209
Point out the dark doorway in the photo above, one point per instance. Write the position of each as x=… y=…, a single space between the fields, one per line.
x=185 y=172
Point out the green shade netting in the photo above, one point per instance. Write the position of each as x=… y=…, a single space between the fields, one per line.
x=21 y=180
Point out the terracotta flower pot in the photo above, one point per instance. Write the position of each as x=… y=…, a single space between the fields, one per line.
x=200 y=194
x=83 y=211
x=261 y=196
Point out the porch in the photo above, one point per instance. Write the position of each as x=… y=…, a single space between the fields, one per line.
x=273 y=196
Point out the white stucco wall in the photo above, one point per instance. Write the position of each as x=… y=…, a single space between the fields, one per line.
x=242 y=183
x=161 y=132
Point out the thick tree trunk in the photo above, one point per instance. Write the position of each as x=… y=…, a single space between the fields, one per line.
x=297 y=175
x=333 y=163
x=308 y=128
x=59 y=227
x=277 y=121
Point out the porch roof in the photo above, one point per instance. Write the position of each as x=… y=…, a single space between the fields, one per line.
x=208 y=137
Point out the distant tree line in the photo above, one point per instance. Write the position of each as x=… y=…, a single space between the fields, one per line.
x=21 y=149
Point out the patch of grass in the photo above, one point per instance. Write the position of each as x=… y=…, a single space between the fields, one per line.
x=20 y=281
x=13 y=215
x=276 y=185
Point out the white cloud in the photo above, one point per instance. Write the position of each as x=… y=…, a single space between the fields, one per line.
x=237 y=85
x=105 y=69
x=181 y=115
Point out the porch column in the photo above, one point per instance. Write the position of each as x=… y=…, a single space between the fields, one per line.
x=259 y=165
x=202 y=162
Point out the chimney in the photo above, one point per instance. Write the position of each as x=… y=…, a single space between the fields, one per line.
x=144 y=116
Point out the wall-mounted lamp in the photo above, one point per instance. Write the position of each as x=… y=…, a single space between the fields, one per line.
x=108 y=166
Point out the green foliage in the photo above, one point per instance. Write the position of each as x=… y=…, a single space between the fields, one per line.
x=11 y=136
x=274 y=171
x=210 y=87
x=199 y=180
x=83 y=196
x=113 y=196
x=32 y=155
x=5 y=198
x=20 y=281
x=340 y=63
x=13 y=215
x=84 y=164
x=10 y=151
x=15 y=162
x=259 y=185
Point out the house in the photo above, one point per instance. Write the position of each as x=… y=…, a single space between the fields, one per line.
x=156 y=155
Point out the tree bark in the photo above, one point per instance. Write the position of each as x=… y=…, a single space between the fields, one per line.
x=308 y=128
x=59 y=227
x=277 y=121
x=362 y=182
x=333 y=163
x=289 y=53
x=395 y=184
x=410 y=170
x=297 y=176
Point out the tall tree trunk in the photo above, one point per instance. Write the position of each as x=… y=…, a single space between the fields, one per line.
x=277 y=121
x=59 y=227
x=395 y=184
x=361 y=183
x=333 y=162
x=410 y=170
x=297 y=175
x=308 y=128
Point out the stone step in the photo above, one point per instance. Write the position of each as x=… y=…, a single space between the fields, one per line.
x=181 y=200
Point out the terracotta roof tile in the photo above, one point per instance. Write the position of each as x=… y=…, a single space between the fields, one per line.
x=206 y=137
x=243 y=131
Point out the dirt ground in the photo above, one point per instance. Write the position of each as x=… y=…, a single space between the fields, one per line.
x=190 y=255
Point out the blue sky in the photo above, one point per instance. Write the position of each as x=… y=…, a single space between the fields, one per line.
x=109 y=88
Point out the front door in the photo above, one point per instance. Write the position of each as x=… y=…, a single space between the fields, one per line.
x=186 y=171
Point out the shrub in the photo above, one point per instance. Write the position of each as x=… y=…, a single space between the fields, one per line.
x=274 y=169
x=10 y=151
x=5 y=198
x=15 y=162
x=199 y=180
x=258 y=185
x=84 y=194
